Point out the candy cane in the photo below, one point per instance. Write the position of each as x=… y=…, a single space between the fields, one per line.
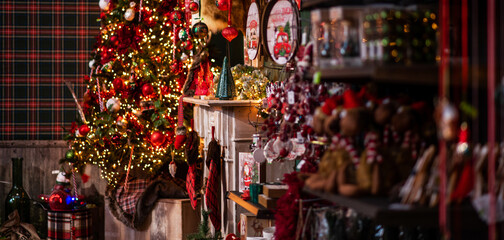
x=370 y=143
x=347 y=144
x=386 y=134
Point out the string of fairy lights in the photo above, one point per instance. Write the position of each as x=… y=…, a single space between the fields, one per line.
x=160 y=59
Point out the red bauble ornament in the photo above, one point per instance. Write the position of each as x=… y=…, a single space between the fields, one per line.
x=229 y=33
x=147 y=90
x=84 y=129
x=222 y=5
x=231 y=236
x=194 y=7
x=176 y=17
x=157 y=138
x=60 y=200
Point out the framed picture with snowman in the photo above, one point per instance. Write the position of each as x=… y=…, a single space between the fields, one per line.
x=281 y=30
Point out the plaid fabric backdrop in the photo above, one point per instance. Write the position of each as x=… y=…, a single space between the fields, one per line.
x=43 y=44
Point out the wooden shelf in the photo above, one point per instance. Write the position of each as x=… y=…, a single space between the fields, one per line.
x=397 y=74
x=255 y=208
x=382 y=211
x=310 y=4
x=221 y=103
x=317 y=4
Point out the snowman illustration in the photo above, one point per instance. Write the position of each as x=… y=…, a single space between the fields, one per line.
x=282 y=48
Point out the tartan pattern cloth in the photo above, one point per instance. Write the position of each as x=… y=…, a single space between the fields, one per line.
x=191 y=185
x=61 y=224
x=128 y=198
x=42 y=45
x=211 y=200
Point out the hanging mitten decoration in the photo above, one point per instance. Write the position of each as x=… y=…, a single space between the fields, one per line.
x=192 y=153
x=212 y=189
x=212 y=162
x=181 y=130
x=226 y=86
x=190 y=185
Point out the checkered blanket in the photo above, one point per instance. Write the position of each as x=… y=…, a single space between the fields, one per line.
x=133 y=205
x=43 y=44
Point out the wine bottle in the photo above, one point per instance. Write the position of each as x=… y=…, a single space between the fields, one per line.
x=18 y=199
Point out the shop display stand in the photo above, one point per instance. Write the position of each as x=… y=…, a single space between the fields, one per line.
x=257 y=209
x=424 y=74
x=234 y=132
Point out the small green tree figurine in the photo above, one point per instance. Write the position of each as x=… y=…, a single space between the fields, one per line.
x=226 y=86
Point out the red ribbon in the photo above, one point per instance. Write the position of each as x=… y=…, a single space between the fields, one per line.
x=491 y=114
x=443 y=81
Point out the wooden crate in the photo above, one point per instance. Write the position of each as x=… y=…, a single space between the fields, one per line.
x=170 y=219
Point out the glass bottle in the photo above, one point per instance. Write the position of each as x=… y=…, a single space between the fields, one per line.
x=17 y=197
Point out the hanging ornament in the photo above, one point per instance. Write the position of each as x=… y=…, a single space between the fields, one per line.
x=147 y=90
x=70 y=154
x=113 y=105
x=226 y=86
x=91 y=64
x=181 y=131
x=84 y=129
x=184 y=57
x=116 y=139
x=129 y=15
x=187 y=45
x=104 y=5
x=182 y=34
x=176 y=16
x=121 y=122
x=172 y=168
x=194 y=7
x=222 y=5
x=200 y=30
x=157 y=138
x=229 y=33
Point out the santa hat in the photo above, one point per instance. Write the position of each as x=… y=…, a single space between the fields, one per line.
x=253 y=24
x=330 y=104
x=351 y=100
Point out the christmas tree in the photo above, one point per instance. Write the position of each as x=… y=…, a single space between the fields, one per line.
x=128 y=117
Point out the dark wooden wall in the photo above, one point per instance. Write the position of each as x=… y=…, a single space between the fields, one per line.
x=40 y=159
